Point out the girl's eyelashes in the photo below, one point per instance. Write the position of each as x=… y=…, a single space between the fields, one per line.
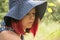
x=30 y=14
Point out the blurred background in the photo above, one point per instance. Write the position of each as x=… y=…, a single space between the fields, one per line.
x=49 y=27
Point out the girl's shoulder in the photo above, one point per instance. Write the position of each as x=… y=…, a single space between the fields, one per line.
x=9 y=35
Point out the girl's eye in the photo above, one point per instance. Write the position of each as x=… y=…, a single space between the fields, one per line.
x=34 y=14
x=27 y=14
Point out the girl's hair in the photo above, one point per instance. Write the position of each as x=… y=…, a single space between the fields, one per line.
x=8 y=20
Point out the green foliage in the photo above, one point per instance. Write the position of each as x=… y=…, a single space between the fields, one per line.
x=3 y=5
x=3 y=8
x=53 y=12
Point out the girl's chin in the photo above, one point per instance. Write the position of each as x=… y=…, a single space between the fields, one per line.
x=29 y=26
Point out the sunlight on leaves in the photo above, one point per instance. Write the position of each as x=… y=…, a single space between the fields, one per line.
x=50 y=10
x=51 y=4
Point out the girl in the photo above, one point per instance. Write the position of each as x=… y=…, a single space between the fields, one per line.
x=22 y=19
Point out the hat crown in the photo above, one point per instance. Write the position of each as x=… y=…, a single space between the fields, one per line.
x=14 y=2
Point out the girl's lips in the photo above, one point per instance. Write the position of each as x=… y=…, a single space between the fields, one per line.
x=30 y=22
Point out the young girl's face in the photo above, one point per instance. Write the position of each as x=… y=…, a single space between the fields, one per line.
x=28 y=20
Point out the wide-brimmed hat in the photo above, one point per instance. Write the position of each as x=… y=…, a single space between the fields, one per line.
x=19 y=8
